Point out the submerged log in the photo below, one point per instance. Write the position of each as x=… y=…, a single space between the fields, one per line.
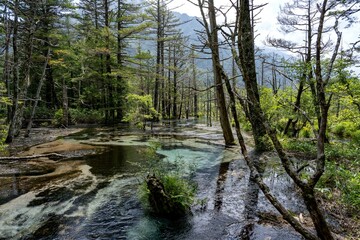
x=161 y=203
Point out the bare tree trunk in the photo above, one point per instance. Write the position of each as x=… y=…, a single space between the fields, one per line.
x=158 y=56
x=212 y=34
x=7 y=70
x=174 y=110
x=65 y=105
x=16 y=90
x=37 y=96
x=121 y=90
x=196 y=108
x=181 y=100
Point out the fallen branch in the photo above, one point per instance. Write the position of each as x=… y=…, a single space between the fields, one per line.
x=53 y=156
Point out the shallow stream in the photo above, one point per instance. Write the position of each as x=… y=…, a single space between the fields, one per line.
x=98 y=200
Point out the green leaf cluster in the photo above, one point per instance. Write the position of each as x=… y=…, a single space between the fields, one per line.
x=139 y=110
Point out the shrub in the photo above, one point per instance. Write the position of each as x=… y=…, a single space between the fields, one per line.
x=139 y=110
x=58 y=118
x=299 y=146
x=3 y=132
x=344 y=129
x=355 y=137
x=85 y=116
x=78 y=116
x=341 y=151
x=338 y=177
x=305 y=132
x=41 y=112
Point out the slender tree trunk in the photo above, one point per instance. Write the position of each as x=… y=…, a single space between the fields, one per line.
x=181 y=100
x=196 y=105
x=174 y=86
x=16 y=90
x=292 y=122
x=109 y=84
x=7 y=70
x=37 y=96
x=168 y=101
x=158 y=56
x=121 y=88
x=162 y=72
x=220 y=95
x=65 y=104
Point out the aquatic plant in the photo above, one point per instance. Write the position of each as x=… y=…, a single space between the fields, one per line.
x=167 y=190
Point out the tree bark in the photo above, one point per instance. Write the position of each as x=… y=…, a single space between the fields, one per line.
x=248 y=69
x=212 y=34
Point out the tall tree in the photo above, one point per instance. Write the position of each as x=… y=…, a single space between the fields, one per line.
x=211 y=32
x=299 y=16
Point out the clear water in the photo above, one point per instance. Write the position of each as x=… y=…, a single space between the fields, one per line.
x=100 y=202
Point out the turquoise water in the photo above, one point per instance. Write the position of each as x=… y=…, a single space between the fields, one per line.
x=102 y=203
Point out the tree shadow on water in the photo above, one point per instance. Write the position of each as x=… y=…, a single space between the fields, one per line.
x=252 y=199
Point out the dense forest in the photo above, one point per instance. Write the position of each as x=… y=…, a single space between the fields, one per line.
x=110 y=62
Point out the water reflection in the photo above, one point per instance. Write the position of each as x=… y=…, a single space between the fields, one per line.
x=11 y=187
x=252 y=199
x=220 y=185
x=118 y=159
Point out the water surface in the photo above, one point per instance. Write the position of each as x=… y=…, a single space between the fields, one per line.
x=99 y=201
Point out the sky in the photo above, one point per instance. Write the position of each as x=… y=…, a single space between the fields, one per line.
x=268 y=25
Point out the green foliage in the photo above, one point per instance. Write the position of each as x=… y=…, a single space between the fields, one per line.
x=139 y=110
x=344 y=129
x=88 y=116
x=3 y=133
x=42 y=112
x=299 y=146
x=355 y=137
x=339 y=177
x=4 y=102
x=179 y=189
x=264 y=143
x=279 y=108
x=174 y=177
x=78 y=116
x=343 y=151
x=341 y=172
x=58 y=117
x=306 y=132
